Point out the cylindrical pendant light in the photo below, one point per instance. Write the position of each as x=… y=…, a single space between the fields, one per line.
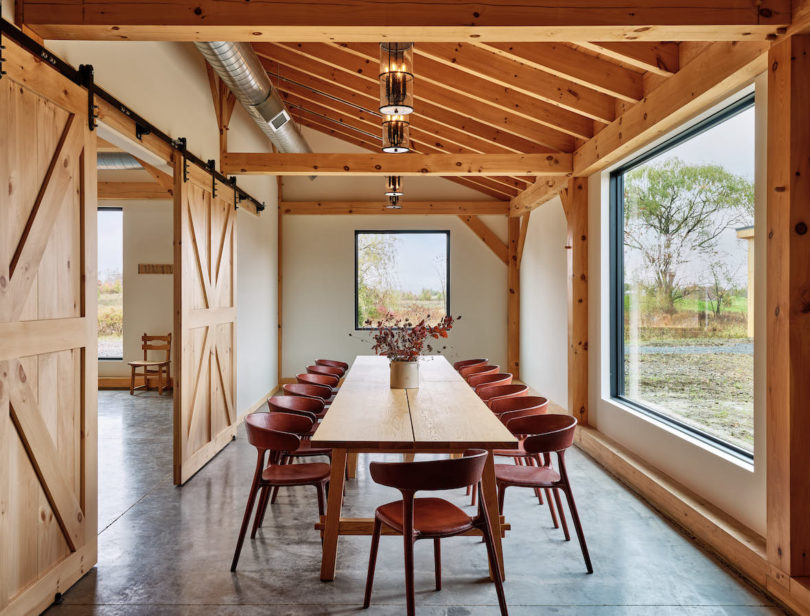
x=396 y=78
x=393 y=187
x=396 y=134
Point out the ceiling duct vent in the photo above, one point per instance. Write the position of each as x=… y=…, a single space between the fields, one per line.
x=242 y=71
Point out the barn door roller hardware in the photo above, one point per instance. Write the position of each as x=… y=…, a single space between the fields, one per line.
x=212 y=165
x=86 y=71
x=142 y=126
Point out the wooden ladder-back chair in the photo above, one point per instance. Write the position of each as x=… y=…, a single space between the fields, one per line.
x=152 y=367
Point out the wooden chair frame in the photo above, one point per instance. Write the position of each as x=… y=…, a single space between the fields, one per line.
x=152 y=367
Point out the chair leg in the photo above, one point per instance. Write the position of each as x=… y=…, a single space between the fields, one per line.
x=578 y=527
x=562 y=515
x=551 y=508
x=537 y=491
x=284 y=460
x=407 y=540
x=132 y=381
x=260 y=510
x=474 y=492
x=320 y=499
x=245 y=520
x=372 y=561
x=437 y=561
x=495 y=567
x=501 y=497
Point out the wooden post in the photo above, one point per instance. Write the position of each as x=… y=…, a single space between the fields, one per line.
x=575 y=204
x=788 y=307
x=279 y=274
x=513 y=300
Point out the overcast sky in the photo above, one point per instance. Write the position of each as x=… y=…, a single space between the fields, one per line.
x=110 y=242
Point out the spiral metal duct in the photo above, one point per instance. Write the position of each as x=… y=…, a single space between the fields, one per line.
x=116 y=160
x=241 y=70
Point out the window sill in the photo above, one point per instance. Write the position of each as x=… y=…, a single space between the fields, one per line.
x=686 y=437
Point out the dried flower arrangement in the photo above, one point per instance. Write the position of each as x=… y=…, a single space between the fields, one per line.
x=400 y=340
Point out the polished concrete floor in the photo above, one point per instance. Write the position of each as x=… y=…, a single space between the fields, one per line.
x=167 y=550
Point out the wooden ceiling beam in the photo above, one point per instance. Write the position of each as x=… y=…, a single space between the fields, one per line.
x=658 y=58
x=417 y=145
x=429 y=131
x=360 y=20
x=364 y=68
x=253 y=163
x=542 y=191
x=131 y=190
x=457 y=208
x=480 y=184
x=529 y=80
x=485 y=234
x=361 y=92
x=565 y=61
x=711 y=76
x=448 y=85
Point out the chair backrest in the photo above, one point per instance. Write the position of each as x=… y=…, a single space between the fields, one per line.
x=320 y=392
x=500 y=406
x=448 y=474
x=479 y=381
x=298 y=405
x=465 y=363
x=318 y=379
x=157 y=343
x=330 y=370
x=488 y=393
x=276 y=431
x=468 y=371
x=547 y=432
x=332 y=362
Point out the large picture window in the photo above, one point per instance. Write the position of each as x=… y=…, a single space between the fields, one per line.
x=110 y=283
x=682 y=221
x=402 y=273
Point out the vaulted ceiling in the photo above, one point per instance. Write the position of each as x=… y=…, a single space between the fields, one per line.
x=529 y=97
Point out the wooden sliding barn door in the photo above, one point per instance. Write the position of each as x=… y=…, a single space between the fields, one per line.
x=48 y=359
x=205 y=319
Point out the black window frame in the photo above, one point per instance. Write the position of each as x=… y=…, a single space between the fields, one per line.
x=616 y=249
x=113 y=209
x=359 y=232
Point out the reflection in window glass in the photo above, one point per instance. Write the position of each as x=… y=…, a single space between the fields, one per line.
x=686 y=277
x=402 y=273
x=110 y=284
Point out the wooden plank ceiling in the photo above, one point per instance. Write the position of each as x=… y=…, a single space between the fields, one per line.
x=475 y=98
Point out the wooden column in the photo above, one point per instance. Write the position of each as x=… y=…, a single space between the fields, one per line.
x=513 y=299
x=280 y=276
x=788 y=307
x=575 y=204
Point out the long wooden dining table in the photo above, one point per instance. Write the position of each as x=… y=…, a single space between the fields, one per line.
x=443 y=415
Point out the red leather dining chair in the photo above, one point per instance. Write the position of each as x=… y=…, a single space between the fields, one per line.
x=489 y=393
x=478 y=369
x=329 y=370
x=429 y=518
x=277 y=433
x=333 y=363
x=479 y=381
x=321 y=392
x=549 y=434
x=464 y=363
x=510 y=408
x=318 y=379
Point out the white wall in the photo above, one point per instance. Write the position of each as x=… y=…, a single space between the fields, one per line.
x=318 y=269
x=166 y=83
x=544 y=304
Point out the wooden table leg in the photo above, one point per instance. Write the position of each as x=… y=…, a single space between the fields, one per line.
x=330 y=535
x=351 y=465
x=408 y=457
x=490 y=497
